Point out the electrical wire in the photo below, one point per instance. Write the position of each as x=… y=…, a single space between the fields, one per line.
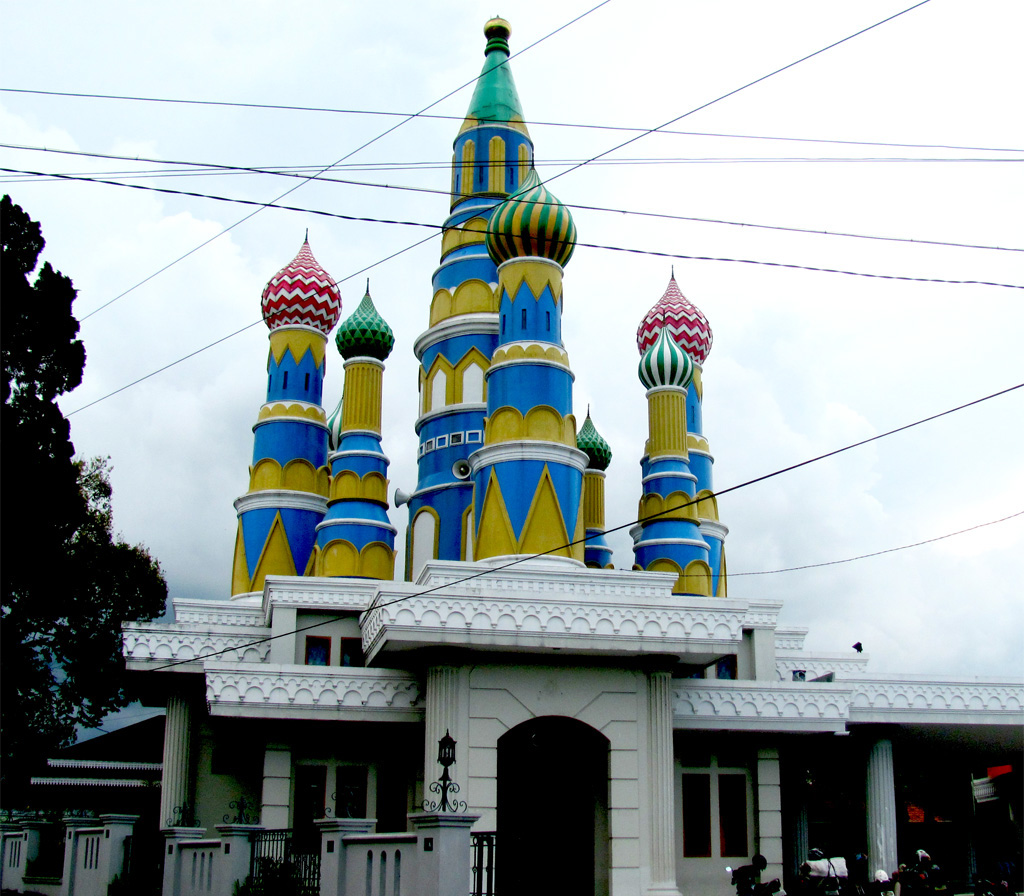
x=904 y=547
x=579 y=244
x=103 y=178
x=552 y=124
x=374 y=605
x=348 y=155
x=743 y=87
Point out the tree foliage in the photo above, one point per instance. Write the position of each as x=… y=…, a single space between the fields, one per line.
x=68 y=582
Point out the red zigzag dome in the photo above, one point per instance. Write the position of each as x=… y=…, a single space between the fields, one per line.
x=685 y=322
x=302 y=293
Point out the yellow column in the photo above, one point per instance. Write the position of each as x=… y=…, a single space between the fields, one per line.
x=362 y=395
x=593 y=499
x=666 y=414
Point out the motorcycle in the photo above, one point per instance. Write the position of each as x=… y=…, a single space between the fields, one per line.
x=820 y=874
x=921 y=878
x=745 y=879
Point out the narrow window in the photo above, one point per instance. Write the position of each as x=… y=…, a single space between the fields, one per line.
x=318 y=651
x=307 y=375
x=503 y=325
x=732 y=814
x=548 y=313
x=696 y=816
x=284 y=384
x=270 y=381
x=524 y=322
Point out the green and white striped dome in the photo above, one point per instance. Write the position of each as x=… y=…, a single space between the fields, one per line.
x=665 y=364
x=531 y=222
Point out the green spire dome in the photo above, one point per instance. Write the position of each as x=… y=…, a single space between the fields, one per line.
x=531 y=222
x=495 y=97
x=665 y=364
x=365 y=332
x=590 y=441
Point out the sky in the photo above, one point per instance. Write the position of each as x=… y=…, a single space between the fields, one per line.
x=803 y=362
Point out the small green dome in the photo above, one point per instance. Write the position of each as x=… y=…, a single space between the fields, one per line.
x=590 y=441
x=665 y=364
x=365 y=332
x=531 y=222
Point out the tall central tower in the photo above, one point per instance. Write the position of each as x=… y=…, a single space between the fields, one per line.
x=493 y=154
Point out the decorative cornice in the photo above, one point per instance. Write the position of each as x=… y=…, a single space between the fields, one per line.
x=550 y=452
x=313 y=692
x=46 y=781
x=477 y=323
x=112 y=764
x=280 y=498
x=216 y=612
x=468 y=407
x=831 y=706
x=150 y=644
x=714 y=528
x=310 y=593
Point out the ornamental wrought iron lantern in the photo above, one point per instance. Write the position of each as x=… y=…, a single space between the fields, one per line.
x=445 y=786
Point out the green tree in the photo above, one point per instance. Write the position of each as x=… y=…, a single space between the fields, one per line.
x=68 y=582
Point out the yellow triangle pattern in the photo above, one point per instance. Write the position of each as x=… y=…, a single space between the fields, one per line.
x=536 y=275
x=239 y=570
x=544 y=528
x=275 y=558
x=496 y=537
x=298 y=342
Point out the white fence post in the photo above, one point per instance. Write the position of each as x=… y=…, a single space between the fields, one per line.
x=333 y=853
x=236 y=852
x=172 y=856
x=445 y=855
x=116 y=829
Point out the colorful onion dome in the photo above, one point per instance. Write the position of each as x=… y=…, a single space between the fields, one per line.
x=531 y=222
x=365 y=333
x=334 y=428
x=590 y=441
x=684 y=320
x=665 y=364
x=302 y=293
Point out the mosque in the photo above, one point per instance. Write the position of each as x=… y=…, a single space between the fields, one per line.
x=625 y=719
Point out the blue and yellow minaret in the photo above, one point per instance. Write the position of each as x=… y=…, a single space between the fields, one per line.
x=668 y=537
x=597 y=554
x=288 y=479
x=528 y=476
x=356 y=538
x=493 y=153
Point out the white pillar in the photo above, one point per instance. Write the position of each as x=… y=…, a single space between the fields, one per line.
x=444 y=714
x=277 y=787
x=881 y=800
x=445 y=855
x=769 y=811
x=660 y=801
x=176 y=780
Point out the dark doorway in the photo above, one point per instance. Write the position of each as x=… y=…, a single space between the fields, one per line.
x=553 y=809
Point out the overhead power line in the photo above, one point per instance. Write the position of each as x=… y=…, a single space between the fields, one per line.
x=552 y=124
x=104 y=178
x=496 y=569
x=348 y=155
x=439 y=227
x=903 y=547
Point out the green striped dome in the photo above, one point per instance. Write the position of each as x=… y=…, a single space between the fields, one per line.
x=665 y=364
x=531 y=222
x=365 y=333
x=589 y=440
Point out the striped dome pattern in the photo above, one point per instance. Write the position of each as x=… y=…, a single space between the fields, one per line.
x=683 y=320
x=665 y=364
x=531 y=222
x=302 y=293
x=334 y=428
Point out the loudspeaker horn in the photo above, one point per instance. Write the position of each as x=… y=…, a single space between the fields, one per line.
x=401 y=497
x=461 y=469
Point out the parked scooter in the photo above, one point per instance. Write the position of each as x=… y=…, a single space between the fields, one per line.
x=820 y=874
x=745 y=879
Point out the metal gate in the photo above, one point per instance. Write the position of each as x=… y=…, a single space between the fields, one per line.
x=277 y=868
x=483 y=846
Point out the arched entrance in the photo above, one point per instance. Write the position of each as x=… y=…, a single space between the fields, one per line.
x=553 y=809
